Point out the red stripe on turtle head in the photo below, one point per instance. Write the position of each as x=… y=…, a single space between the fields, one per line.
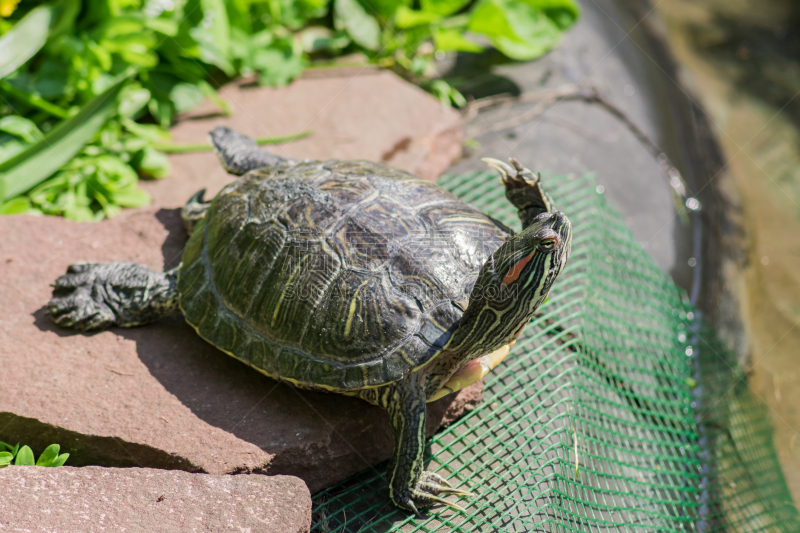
x=512 y=275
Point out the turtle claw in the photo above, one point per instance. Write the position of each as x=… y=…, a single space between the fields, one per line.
x=459 y=492
x=506 y=171
x=435 y=499
x=513 y=175
x=427 y=491
x=409 y=504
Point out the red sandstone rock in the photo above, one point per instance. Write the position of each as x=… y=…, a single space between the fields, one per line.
x=159 y=396
x=145 y=500
x=371 y=115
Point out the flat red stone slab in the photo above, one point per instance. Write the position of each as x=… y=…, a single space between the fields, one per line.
x=143 y=499
x=159 y=396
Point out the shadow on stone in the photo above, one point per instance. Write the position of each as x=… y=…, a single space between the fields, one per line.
x=316 y=436
x=173 y=246
x=87 y=450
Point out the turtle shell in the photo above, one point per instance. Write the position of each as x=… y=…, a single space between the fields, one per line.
x=335 y=275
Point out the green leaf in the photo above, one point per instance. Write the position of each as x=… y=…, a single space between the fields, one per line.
x=278 y=66
x=490 y=17
x=20 y=127
x=151 y=163
x=12 y=449
x=318 y=39
x=563 y=13
x=39 y=161
x=386 y=8
x=147 y=132
x=48 y=455
x=5 y=459
x=454 y=41
x=518 y=30
x=60 y=460
x=15 y=206
x=185 y=96
x=132 y=100
x=351 y=16
x=408 y=18
x=25 y=39
x=131 y=197
x=24 y=457
x=444 y=7
x=213 y=36
x=167 y=27
x=215 y=17
x=447 y=94
x=10 y=147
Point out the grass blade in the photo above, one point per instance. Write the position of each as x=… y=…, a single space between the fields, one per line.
x=26 y=38
x=39 y=161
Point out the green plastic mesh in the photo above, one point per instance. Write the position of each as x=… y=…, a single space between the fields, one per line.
x=617 y=410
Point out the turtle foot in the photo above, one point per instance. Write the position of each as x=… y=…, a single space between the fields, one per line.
x=513 y=175
x=523 y=189
x=426 y=492
x=98 y=295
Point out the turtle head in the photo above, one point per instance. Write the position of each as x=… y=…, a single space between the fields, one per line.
x=513 y=283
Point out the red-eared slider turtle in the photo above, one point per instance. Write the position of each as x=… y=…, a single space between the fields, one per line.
x=344 y=276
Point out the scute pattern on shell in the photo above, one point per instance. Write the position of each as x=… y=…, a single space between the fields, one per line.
x=338 y=275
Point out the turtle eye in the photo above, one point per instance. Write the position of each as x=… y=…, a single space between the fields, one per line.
x=548 y=244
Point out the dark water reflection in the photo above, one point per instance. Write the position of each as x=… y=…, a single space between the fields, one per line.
x=742 y=58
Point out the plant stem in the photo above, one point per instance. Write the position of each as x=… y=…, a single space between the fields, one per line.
x=188 y=148
x=33 y=100
x=324 y=65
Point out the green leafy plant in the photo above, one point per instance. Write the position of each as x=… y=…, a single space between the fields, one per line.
x=88 y=88
x=24 y=456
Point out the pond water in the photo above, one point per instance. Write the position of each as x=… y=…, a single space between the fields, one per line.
x=742 y=60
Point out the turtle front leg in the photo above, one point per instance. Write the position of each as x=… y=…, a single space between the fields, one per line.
x=523 y=190
x=194 y=211
x=410 y=487
x=98 y=295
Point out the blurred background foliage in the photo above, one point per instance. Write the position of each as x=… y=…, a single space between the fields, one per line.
x=88 y=89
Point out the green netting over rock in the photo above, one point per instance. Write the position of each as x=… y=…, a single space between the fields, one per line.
x=617 y=409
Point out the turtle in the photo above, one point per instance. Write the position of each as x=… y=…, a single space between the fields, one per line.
x=349 y=277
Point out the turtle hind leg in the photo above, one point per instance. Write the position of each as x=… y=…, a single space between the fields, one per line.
x=194 y=210
x=410 y=486
x=523 y=190
x=97 y=295
x=240 y=154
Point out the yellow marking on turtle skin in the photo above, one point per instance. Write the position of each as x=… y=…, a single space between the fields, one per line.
x=463 y=219
x=286 y=287
x=352 y=310
x=405 y=356
x=471 y=372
